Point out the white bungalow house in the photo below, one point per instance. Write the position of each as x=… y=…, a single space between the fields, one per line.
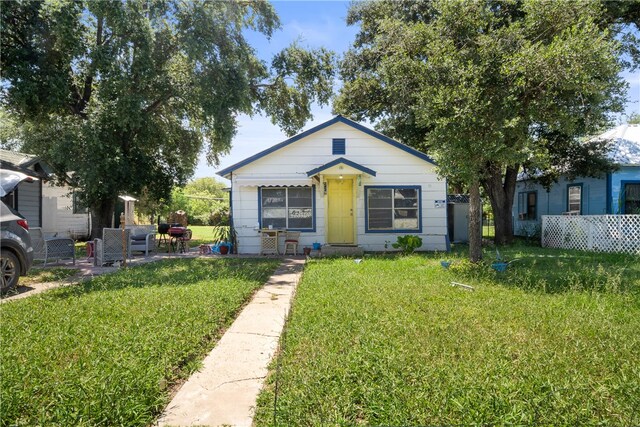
x=55 y=209
x=341 y=184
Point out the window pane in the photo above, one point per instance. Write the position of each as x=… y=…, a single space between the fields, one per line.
x=575 y=193
x=380 y=219
x=274 y=197
x=300 y=218
x=521 y=204
x=380 y=198
x=405 y=223
x=300 y=197
x=531 y=205
x=406 y=213
x=632 y=198
x=406 y=197
x=274 y=213
x=406 y=219
x=632 y=192
x=274 y=222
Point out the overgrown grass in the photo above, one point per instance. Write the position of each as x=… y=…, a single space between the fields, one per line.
x=107 y=352
x=553 y=341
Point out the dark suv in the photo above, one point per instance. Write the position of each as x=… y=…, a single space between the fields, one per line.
x=15 y=242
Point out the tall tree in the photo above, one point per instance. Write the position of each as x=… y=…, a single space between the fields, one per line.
x=485 y=87
x=126 y=94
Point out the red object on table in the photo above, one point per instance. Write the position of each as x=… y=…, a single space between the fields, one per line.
x=177 y=231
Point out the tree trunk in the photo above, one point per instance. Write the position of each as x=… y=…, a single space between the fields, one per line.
x=101 y=217
x=475 y=219
x=501 y=190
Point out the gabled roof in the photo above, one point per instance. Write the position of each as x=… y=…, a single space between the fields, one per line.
x=336 y=119
x=343 y=161
x=18 y=159
x=22 y=162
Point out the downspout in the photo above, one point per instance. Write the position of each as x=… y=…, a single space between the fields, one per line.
x=609 y=194
x=447 y=240
x=40 y=204
x=235 y=244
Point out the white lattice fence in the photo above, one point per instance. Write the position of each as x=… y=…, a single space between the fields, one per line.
x=602 y=233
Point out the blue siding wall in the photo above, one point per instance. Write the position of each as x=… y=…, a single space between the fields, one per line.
x=554 y=202
x=627 y=173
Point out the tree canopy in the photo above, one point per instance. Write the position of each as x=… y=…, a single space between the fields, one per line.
x=485 y=87
x=127 y=94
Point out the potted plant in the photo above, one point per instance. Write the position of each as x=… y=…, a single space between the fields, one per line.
x=225 y=237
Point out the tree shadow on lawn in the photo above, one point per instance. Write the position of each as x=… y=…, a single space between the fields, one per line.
x=172 y=273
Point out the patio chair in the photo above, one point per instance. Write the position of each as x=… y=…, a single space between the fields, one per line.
x=143 y=238
x=109 y=248
x=47 y=249
x=291 y=240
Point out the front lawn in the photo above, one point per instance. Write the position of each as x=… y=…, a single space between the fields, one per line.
x=109 y=351
x=39 y=274
x=388 y=341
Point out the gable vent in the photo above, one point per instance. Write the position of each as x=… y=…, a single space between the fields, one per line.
x=339 y=146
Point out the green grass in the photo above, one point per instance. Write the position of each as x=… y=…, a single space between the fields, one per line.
x=202 y=234
x=46 y=274
x=553 y=341
x=107 y=352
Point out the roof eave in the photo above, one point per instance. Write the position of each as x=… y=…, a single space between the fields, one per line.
x=344 y=161
x=226 y=171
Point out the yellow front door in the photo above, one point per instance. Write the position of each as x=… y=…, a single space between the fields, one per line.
x=340 y=211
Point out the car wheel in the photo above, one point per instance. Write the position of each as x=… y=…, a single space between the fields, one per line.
x=9 y=270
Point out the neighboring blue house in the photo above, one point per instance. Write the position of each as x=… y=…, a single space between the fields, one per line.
x=616 y=193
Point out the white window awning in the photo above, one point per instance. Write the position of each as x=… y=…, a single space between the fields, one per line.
x=272 y=182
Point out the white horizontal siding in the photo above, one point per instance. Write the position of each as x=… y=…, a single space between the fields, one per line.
x=393 y=166
x=29 y=202
x=57 y=213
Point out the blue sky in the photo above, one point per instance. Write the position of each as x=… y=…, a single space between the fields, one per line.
x=314 y=24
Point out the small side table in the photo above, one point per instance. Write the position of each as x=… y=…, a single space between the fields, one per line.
x=269 y=242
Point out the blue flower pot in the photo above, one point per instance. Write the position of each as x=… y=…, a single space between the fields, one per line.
x=317 y=246
x=445 y=264
x=500 y=266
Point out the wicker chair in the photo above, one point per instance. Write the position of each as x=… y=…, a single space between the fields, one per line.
x=109 y=248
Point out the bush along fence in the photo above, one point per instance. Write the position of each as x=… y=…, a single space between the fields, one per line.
x=602 y=233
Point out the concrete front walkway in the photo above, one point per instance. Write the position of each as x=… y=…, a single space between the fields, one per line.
x=225 y=390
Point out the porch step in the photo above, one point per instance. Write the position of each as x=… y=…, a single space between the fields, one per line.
x=341 y=250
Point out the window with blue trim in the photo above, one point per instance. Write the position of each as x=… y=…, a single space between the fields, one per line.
x=631 y=194
x=339 y=146
x=391 y=209
x=527 y=203
x=574 y=199
x=287 y=207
